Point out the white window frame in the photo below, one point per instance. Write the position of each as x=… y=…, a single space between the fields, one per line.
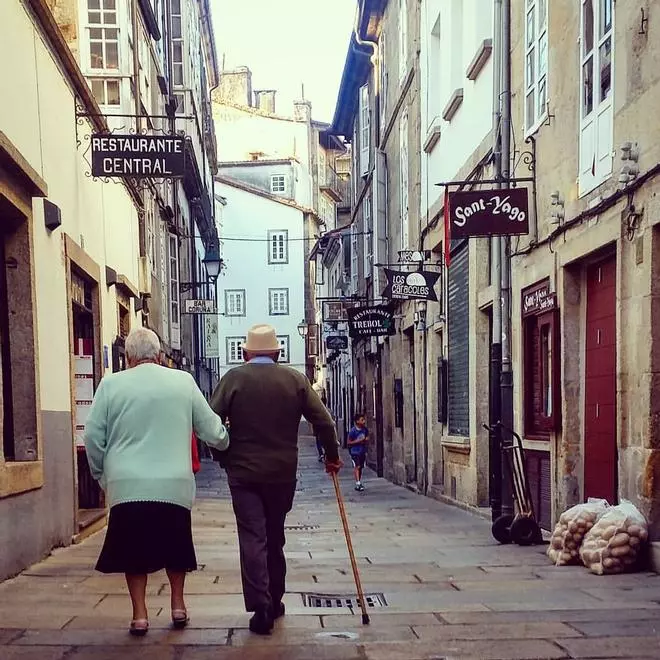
x=404 y=181
x=367 y=235
x=175 y=296
x=597 y=126
x=536 y=64
x=354 y=258
x=382 y=92
x=235 y=302
x=278 y=183
x=403 y=39
x=104 y=82
x=278 y=302
x=285 y=356
x=178 y=65
x=278 y=254
x=234 y=349
x=323 y=164
x=104 y=23
x=365 y=130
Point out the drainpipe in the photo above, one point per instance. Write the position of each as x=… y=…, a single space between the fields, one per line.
x=506 y=381
x=494 y=453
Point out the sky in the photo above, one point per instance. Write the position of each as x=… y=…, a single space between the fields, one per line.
x=287 y=43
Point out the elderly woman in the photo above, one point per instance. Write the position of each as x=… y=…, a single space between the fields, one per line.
x=138 y=446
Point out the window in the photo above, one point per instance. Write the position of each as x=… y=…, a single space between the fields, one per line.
x=278 y=183
x=283 y=341
x=174 y=292
x=403 y=39
x=536 y=63
x=596 y=107
x=456 y=62
x=540 y=361
x=278 y=302
x=367 y=236
x=365 y=130
x=106 y=91
x=235 y=350
x=150 y=231
x=354 y=258
x=177 y=44
x=235 y=302
x=383 y=81
x=278 y=247
x=403 y=179
x=103 y=34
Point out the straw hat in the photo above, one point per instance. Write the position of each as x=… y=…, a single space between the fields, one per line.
x=261 y=339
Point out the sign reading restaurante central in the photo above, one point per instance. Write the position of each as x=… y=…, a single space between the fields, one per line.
x=120 y=156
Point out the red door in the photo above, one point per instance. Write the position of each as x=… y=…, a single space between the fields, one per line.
x=600 y=442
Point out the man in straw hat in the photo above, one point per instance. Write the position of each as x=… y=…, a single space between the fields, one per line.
x=264 y=402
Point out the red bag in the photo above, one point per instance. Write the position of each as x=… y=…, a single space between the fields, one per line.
x=196 y=465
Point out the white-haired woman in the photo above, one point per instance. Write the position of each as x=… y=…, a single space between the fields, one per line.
x=138 y=446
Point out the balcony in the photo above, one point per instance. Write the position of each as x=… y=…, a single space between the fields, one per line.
x=331 y=184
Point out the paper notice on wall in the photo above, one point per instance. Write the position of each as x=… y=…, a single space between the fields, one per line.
x=83 y=394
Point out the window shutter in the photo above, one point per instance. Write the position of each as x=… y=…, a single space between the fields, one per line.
x=365 y=130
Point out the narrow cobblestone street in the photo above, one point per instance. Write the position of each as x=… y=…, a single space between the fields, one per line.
x=449 y=591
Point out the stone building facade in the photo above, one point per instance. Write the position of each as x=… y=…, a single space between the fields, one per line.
x=583 y=79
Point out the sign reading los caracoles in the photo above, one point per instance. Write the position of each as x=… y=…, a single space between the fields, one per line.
x=417 y=285
x=138 y=156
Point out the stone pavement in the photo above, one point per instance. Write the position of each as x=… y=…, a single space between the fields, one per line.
x=448 y=591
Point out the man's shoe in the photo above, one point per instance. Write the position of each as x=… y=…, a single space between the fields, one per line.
x=278 y=610
x=261 y=622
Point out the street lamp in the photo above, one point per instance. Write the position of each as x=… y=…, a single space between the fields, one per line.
x=303 y=328
x=212 y=262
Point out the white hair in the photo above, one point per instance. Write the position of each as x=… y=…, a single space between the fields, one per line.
x=142 y=344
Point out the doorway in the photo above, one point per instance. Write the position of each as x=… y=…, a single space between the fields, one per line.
x=600 y=436
x=90 y=496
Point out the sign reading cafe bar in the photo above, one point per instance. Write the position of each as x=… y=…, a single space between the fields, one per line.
x=138 y=155
x=488 y=213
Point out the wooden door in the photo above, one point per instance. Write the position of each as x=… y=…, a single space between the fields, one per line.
x=600 y=437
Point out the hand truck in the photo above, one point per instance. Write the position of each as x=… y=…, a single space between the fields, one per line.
x=521 y=528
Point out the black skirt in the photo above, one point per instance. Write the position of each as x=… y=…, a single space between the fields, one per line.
x=145 y=537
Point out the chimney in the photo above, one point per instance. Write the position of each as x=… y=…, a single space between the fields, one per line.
x=302 y=111
x=265 y=100
x=235 y=87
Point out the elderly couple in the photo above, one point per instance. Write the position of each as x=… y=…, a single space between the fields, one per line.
x=138 y=439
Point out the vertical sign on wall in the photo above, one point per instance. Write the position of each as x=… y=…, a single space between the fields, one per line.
x=84 y=389
x=211 y=337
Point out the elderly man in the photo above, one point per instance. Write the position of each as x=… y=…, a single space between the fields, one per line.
x=264 y=403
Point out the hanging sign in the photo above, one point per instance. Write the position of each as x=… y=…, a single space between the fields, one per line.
x=211 y=338
x=336 y=343
x=199 y=307
x=138 y=156
x=538 y=299
x=488 y=213
x=370 y=321
x=417 y=285
x=333 y=311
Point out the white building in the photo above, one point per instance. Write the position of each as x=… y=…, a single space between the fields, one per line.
x=284 y=166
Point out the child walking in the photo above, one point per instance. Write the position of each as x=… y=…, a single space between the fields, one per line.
x=357 y=440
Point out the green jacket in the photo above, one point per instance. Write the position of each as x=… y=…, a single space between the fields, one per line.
x=264 y=404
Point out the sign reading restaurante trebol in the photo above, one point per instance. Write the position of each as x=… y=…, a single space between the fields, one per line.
x=159 y=156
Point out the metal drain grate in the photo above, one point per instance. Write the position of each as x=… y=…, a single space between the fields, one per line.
x=300 y=528
x=339 y=601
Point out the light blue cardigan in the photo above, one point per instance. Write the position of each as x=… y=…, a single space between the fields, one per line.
x=138 y=435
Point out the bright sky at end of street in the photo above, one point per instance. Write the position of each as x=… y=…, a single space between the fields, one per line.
x=287 y=44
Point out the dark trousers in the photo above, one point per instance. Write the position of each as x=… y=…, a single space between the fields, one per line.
x=260 y=511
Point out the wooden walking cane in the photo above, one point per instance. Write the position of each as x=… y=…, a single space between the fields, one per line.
x=351 y=553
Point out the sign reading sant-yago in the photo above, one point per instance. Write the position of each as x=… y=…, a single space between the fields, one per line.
x=488 y=213
x=138 y=156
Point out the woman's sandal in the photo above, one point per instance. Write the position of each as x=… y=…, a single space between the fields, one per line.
x=180 y=619
x=139 y=627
